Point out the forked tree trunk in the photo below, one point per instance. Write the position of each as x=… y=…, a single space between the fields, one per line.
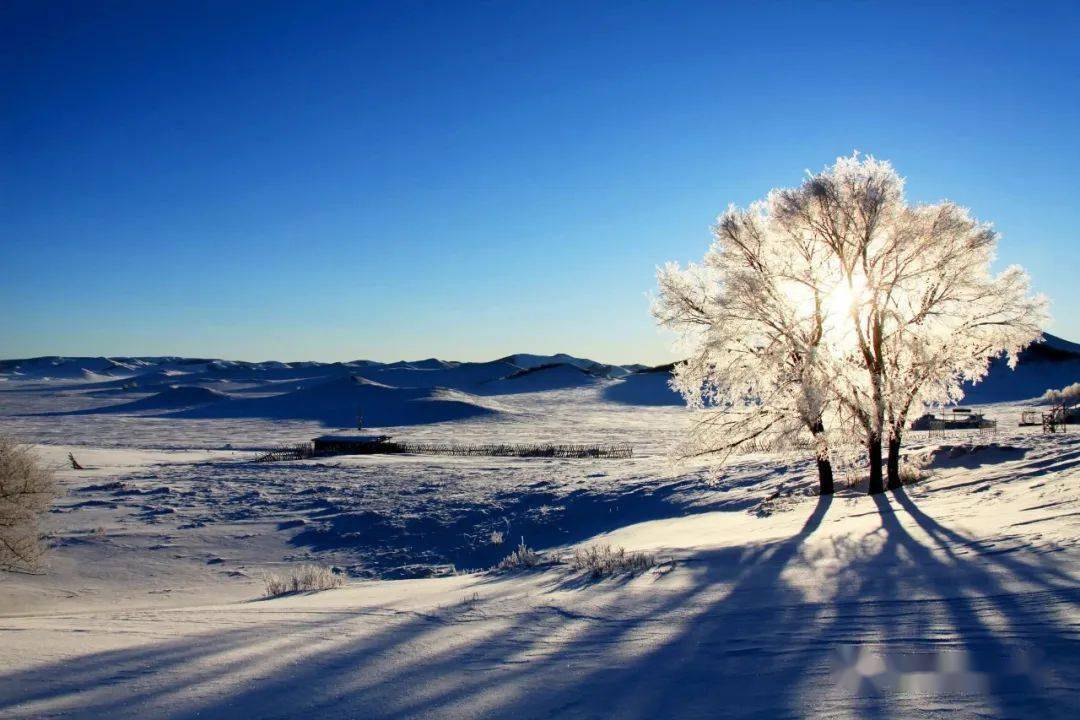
x=877 y=481
x=894 y=462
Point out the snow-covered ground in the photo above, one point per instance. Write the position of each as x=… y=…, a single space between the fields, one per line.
x=955 y=597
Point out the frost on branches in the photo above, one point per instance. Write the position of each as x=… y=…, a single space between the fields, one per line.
x=752 y=318
x=836 y=307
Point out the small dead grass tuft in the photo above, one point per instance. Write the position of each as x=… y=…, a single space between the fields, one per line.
x=303 y=578
x=605 y=561
x=522 y=558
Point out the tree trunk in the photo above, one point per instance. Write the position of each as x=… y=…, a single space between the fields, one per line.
x=825 y=477
x=877 y=481
x=894 y=462
x=824 y=465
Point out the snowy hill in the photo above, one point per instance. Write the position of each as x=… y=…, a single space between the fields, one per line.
x=55 y=367
x=557 y=376
x=645 y=387
x=530 y=360
x=1052 y=363
x=461 y=376
x=336 y=403
x=177 y=396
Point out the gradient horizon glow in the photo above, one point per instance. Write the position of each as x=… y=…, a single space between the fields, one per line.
x=401 y=180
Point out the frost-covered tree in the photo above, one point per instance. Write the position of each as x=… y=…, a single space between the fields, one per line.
x=925 y=312
x=851 y=210
x=1066 y=396
x=752 y=320
x=26 y=490
x=837 y=304
x=946 y=333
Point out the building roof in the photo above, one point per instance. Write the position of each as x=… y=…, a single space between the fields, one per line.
x=351 y=438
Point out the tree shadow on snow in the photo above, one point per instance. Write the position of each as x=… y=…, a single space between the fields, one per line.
x=733 y=637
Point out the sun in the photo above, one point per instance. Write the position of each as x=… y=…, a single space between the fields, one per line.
x=843 y=298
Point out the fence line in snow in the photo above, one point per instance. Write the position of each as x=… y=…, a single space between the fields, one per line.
x=303 y=451
x=299 y=451
x=619 y=451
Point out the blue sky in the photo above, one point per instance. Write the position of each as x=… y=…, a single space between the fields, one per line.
x=464 y=180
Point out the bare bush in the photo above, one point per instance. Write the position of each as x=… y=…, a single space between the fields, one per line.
x=303 y=578
x=912 y=471
x=522 y=557
x=605 y=561
x=27 y=489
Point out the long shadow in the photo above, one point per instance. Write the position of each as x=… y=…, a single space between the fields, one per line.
x=732 y=636
x=1009 y=645
x=682 y=676
x=948 y=539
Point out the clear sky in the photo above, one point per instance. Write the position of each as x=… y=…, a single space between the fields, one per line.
x=322 y=180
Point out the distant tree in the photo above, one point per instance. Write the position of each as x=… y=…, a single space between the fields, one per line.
x=26 y=491
x=752 y=319
x=1066 y=396
x=925 y=313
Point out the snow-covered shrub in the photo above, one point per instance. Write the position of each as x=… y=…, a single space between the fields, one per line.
x=522 y=557
x=303 y=578
x=604 y=560
x=26 y=491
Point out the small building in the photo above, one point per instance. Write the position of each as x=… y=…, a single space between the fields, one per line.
x=349 y=444
x=955 y=419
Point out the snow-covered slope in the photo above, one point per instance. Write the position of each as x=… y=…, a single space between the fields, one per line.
x=1049 y=364
x=171 y=398
x=645 y=387
x=530 y=360
x=429 y=374
x=337 y=402
x=559 y=376
x=1052 y=363
x=956 y=597
x=56 y=368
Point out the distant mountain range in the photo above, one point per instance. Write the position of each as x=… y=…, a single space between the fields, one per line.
x=419 y=391
x=334 y=394
x=66 y=367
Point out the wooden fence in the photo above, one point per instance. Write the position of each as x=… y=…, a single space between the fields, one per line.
x=303 y=451
x=299 y=451
x=619 y=451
